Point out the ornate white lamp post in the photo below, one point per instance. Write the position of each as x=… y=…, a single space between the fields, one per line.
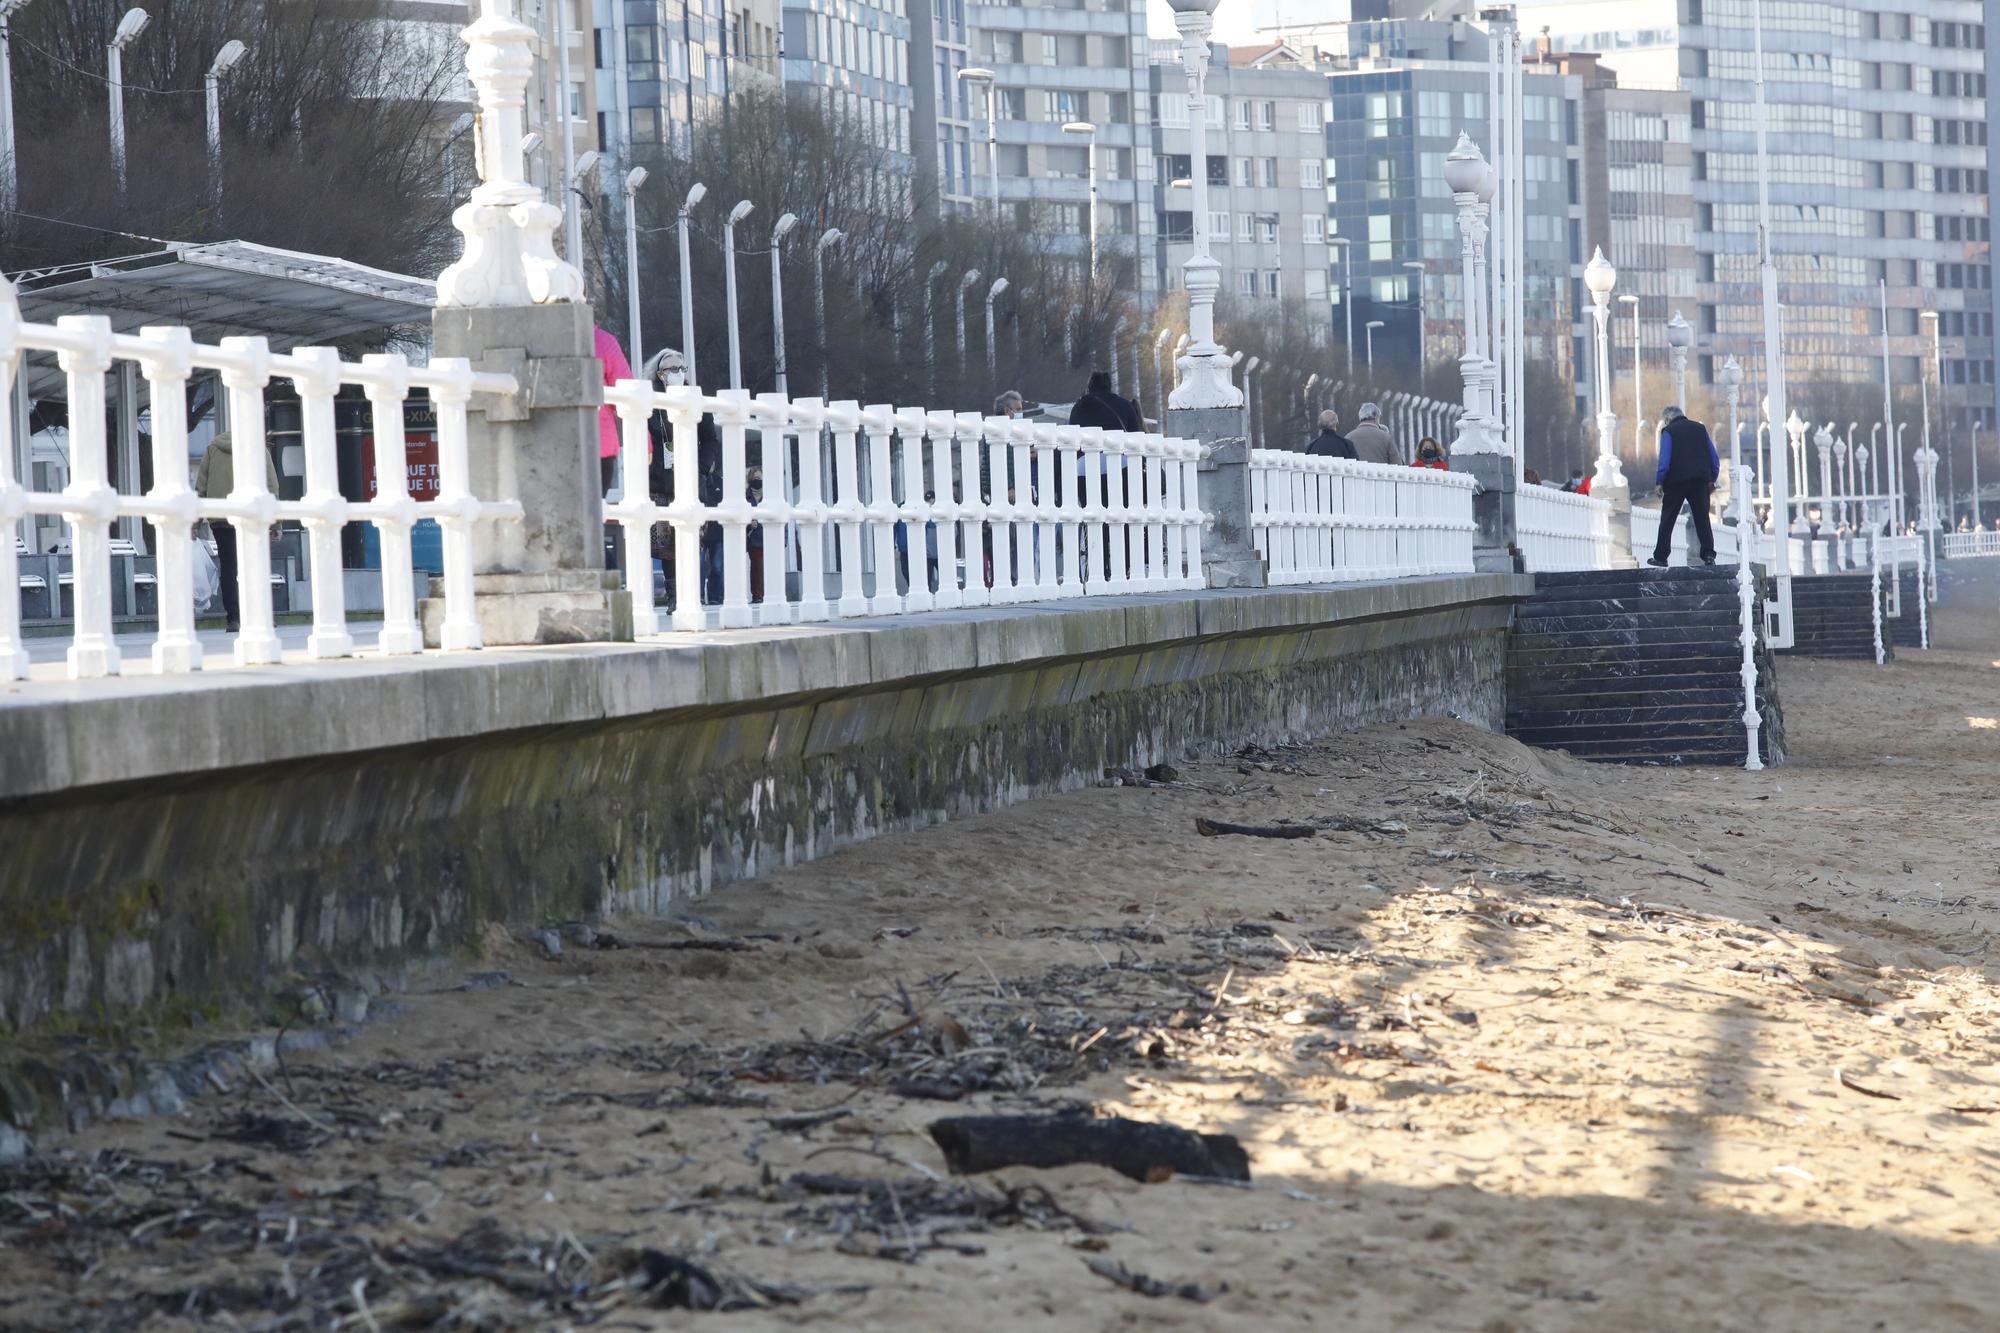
x=509 y=228
x=1600 y=277
x=1680 y=337
x=1204 y=372
x=1823 y=441
x=1465 y=171
x=1789 y=506
x=1927 y=508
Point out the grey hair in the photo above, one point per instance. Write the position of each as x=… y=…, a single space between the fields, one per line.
x=1369 y=411
x=661 y=359
x=1012 y=398
x=1671 y=414
x=1329 y=420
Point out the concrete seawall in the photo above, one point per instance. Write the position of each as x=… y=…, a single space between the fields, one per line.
x=172 y=846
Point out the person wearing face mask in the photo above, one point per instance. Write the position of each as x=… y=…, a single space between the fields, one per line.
x=666 y=369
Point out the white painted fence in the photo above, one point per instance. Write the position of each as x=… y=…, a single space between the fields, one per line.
x=1561 y=530
x=1335 y=520
x=1960 y=545
x=87 y=349
x=884 y=511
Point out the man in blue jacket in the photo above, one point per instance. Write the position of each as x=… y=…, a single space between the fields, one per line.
x=1689 y=466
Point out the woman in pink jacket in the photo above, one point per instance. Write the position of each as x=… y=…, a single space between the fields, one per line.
x=615 y=368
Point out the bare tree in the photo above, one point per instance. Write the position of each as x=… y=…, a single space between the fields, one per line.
x=334 y=131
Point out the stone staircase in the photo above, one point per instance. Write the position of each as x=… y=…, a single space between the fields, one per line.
x=1636 y=666
x=1906 y=630
x=1831 y=617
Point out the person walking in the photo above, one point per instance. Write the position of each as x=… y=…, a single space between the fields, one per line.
x=666 y=369
x=1099 y=406
x=214 y=479
x=616 y=368
x=1330 y=443
x=1430 y=454
x=1371 y=439
x=1689 y=468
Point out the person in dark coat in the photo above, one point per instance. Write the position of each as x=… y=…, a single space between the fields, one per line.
x=666 y=369
x=1099 y=406
x=1689 y=467
x=1330 y=443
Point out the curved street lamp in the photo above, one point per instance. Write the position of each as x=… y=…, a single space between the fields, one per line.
x=736 y=215
x=225 y=60
x=696 y=193
x=129 y=28
x=778 y=233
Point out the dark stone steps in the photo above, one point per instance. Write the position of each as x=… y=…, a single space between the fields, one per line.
x=1645 y=666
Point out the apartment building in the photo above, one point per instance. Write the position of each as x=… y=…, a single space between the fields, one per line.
x=1638 y=198
x=1402 y=92
x=1082 y=61
x=1266 y=171
x=857 y=55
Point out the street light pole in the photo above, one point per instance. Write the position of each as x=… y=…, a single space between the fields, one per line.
x=964 y=285
x=129 y=28
x=1423 y=356
x=1924 y=405
x=1944 y=423
x=736 y=215
x=778 y=233
x=1159 y=371
x=10 y=179
x=1346 y=247
x=1892 y=468
x=1638 y=382
x=1372 y=325
x=1089 y=133
x=225 y=59
x=634 y=178
x=992 y=352
x=984 y=78
x=1780 y=608
x=1732 y=380
x=572 y=218
x=831 y=237
x=694 y=196
x=930 y=325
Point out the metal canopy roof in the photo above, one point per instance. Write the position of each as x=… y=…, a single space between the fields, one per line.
x=228 y=288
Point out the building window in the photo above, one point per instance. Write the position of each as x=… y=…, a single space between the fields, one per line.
x=1267 y=229
x=1315 y=228
x=1312 y=117
x=1312 y=174
x=1270 y=173
x=646 y=124
x=1218 y=226
x=1243 y=115
x=1246 y=169
x=1246 y=227
x=1267 y=115
x=1271 y=284
x=1248 y=281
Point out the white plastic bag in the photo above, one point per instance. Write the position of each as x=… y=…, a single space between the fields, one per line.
x=207 y=575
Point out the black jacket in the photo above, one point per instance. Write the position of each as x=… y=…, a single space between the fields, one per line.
x=1330 y=444
x=708 y=459
x=1107 y=410
x=1687 y=455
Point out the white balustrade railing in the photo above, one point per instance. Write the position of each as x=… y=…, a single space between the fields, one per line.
x=87 y=350
x=1960 y=545
x=1561 y=530
x=1335 y=520
x=870 y=511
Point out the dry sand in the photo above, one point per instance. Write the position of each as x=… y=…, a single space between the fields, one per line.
x=1515 y=1043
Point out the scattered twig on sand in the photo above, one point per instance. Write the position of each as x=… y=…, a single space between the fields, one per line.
x=1841 y=1077
x=1113 y=1271
x=1215 y=828
x=1133 y=1148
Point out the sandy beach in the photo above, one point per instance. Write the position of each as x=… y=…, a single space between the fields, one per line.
x=1513 y=1042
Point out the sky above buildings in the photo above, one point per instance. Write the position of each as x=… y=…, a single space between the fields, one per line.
x=1237 y=21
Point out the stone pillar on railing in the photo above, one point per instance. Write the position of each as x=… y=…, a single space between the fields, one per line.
x=510 y=304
